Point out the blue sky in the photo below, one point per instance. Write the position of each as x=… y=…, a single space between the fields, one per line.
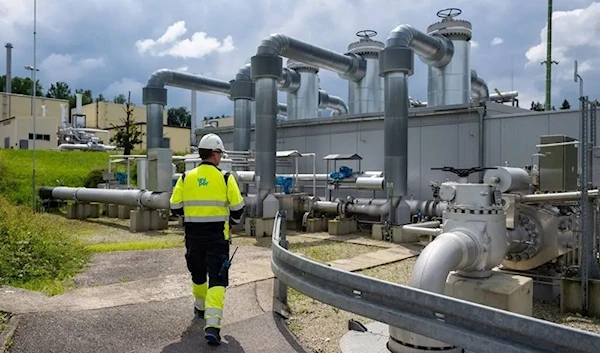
x=112 y=46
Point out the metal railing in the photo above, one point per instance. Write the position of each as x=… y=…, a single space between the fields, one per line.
x=471 y=326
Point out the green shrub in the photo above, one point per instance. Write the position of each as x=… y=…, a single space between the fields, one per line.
x=93 y=178
x=34 y=248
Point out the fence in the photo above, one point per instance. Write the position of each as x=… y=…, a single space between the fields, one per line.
x=467 y=325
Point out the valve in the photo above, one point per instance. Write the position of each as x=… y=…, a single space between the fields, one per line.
x=463 y=172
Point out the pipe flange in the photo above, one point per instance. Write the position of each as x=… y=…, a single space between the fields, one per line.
x=532 y=228
x=452 y=29
x=154 y=95
x=396 y=59
x=266 y=66
x=358 y=70
x=241 y=89
x=366 y=46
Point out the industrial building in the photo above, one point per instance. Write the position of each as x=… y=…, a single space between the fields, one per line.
x=109 y=116
x=505 y=197
x=16 y=124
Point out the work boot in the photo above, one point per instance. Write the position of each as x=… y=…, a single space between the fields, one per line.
x=211 y=334
x=198 y=314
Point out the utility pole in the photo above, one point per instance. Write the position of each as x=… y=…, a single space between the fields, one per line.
x=549 y=61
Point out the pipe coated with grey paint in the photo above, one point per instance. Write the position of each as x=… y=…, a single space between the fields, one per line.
x=132 y=198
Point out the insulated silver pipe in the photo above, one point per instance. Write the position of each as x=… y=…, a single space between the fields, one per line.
x=282 y=45
x=416 y=229
x=266 y=145
x=8 y=83
x=479 y=88
x=334 y=103
x=155 y=97
x=132 y=198
x=559 y=196
x=241 y=91
x=396 y=64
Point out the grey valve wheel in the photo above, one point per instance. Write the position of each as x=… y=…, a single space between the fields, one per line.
x=366 y=34
x=450 y=13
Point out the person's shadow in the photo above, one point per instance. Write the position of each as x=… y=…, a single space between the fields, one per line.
x=192 y=341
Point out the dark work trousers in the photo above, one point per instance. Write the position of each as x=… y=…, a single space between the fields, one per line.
x=204 y=258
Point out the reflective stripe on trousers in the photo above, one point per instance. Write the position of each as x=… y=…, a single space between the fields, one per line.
x=213 y=317
x=199 y=303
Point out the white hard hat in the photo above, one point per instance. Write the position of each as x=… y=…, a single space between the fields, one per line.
x=212 y=142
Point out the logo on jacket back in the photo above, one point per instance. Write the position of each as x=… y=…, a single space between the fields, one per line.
x=202 y=182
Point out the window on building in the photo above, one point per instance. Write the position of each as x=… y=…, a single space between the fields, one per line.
x=40 y=137
x=31 y=136
x=46 y=137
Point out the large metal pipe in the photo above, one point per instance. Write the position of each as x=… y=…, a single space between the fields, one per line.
x=417 y=229
x=155 y=97
x=334 y=103
x=559 y=196
x=242 y=93
x=396 y=64
x=266 y=68
x=133 y=198
x=479 y=88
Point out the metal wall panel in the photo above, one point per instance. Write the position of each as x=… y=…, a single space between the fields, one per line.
x=449 y=138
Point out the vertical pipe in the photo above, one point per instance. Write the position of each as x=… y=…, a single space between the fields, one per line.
x=8 y=83
x=154 y=121
x=194 y=121
x=242 y=110
x=549 y=57
x=395 y=139
x=266 y=137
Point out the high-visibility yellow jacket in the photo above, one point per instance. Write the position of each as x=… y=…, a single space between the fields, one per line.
x=209 y=199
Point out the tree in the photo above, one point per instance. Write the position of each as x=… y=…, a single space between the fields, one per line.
x=128 y=135
x=120 y=99
x=537 y=106
x=86 y=99
x=100 y=98
x=21 y=86
x=59 y=90
x=179 y=117
x=565 y=105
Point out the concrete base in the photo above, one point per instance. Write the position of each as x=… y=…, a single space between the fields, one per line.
x=392 y=233
x=316 y=225
x=259 y=227
x=124 y=212
x=342 y=226
x=113 y=211
x=503 y=291
x=570 y=298
x=145 y=220
x=83 y=210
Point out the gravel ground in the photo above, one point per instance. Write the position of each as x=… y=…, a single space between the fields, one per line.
x=320 y=327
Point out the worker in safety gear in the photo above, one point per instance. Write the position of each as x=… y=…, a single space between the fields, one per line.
x=211 y=203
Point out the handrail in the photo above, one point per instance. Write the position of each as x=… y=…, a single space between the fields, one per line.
x=464 y=324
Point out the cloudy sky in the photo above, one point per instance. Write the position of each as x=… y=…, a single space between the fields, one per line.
x=112 y=46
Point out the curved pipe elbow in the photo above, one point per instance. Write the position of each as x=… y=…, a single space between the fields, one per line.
x=166 y=77
x=334 y=103
x=434 y=50
x=160 y=78
x=479 y=88
x=448 y=252
x=244 y=73
x=290 y=81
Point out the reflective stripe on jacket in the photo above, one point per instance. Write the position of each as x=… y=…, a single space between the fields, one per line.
x=205 y=196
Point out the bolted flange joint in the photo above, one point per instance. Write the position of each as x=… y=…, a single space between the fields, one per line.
x=266 y=66
x=396 y=59
x=241 y=89
x=154 y=95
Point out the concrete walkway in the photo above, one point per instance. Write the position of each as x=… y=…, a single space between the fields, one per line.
x=140 y=301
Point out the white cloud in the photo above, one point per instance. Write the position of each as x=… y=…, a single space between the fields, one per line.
x=183 y=68
x=68 y=68
x=171 y=43
x=575 y=36
x=496 y=41
x=123 y=86
x=474 y=44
